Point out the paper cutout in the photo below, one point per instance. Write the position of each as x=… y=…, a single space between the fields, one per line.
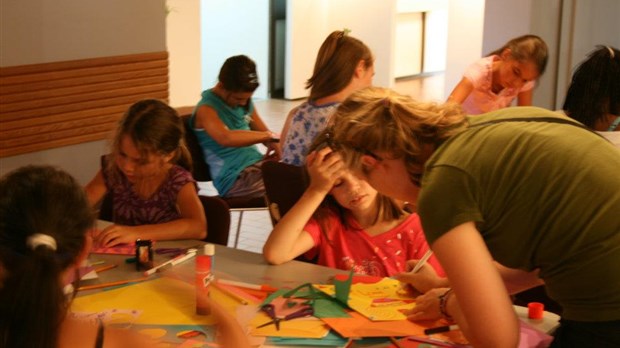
x=377 y=301
x=307 y=327
x=120 y=249
x=359 y=326
x=531 y=337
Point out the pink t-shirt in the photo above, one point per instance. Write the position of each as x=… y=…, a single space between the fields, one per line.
x=382 y=255
x=482 y=99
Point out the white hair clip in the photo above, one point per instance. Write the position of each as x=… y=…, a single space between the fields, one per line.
x=38 y=239
x=611 y=52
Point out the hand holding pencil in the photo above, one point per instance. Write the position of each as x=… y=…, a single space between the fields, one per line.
x=421 y=275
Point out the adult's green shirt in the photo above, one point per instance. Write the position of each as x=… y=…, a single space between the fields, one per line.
x=543 y=195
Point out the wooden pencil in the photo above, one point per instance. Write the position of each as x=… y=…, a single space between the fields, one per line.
x=104 y=268
x=230 y=293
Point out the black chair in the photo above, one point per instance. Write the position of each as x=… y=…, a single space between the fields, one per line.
x=284 y=185
x=201 y=172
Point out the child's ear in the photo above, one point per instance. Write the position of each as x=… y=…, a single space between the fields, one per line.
x=169 y=157
x=369 y=161
x=360 y=68
x=506 y=54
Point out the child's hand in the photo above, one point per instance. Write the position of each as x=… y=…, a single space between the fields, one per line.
x=325 y=167
x=423 y=280
x=274 y=153
x=114 y=235
x=426 y=306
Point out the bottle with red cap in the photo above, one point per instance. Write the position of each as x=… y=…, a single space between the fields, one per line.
x=204 y=276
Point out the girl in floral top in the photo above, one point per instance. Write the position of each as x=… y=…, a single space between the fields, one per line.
x=152 y=196
x=343 y=65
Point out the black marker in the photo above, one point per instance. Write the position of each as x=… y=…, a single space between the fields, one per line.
x=440 y=329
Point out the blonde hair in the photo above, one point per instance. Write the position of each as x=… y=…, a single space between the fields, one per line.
x=379 y=119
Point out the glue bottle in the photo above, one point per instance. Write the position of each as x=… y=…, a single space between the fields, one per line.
x=204 y=276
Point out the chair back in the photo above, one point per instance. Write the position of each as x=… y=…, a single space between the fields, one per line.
x=218 y=219
x=200 y=168
x=284 y=185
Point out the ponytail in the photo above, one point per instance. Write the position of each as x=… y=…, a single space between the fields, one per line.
x=32 y=304
x=44 y=216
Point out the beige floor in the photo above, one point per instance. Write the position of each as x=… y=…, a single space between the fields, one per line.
x=256 y=225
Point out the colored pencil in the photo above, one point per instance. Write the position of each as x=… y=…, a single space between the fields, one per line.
x=261 y=287
x=106 y=285
x=396 y=343
x=230 y=293
x=104 y=268
x=422 y=261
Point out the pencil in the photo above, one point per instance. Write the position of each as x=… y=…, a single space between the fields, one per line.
x=230 y=293
x=260 y=287
x=422 y=261
x=104 y=268
x=106 y=285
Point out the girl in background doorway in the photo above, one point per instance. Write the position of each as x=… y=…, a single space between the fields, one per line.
x=510 y=72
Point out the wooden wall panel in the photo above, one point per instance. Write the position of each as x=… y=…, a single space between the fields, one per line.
x=56 y=104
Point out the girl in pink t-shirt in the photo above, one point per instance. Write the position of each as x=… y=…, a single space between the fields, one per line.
x=510 y=72
x=346 y=224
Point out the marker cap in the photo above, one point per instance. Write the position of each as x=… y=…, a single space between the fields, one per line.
x=209 y=249
x=535 y=310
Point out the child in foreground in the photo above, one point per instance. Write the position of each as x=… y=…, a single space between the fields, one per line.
x=343 y=219
x=44 y=219
x=153 y=196
x=510 y=72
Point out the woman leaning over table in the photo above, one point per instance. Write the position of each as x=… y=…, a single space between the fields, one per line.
x=528 y=194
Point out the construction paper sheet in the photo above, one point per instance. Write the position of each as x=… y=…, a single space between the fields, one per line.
x=359 y=326
x=178 y=334
x=330 y=340
x=531 y=337
x=163 y=301
x=384 y=300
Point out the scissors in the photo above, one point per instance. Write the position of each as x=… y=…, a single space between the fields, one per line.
x=271 y=312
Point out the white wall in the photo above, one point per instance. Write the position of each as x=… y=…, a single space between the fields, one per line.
x=183 y=42
x=310 y=21
x=465 y=33
x=306 y=28
x=585 y=24
x=231 y=28
x=408 y=44
x=41 y=31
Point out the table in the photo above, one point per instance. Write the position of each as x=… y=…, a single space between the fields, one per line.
x=249 y=267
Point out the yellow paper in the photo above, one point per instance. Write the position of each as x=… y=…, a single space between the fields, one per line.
x=384 y=300
x=163 y=301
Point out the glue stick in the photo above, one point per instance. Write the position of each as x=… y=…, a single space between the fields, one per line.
x=204 y=276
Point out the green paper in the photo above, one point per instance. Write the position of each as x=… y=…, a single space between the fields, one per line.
x=343 y=288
